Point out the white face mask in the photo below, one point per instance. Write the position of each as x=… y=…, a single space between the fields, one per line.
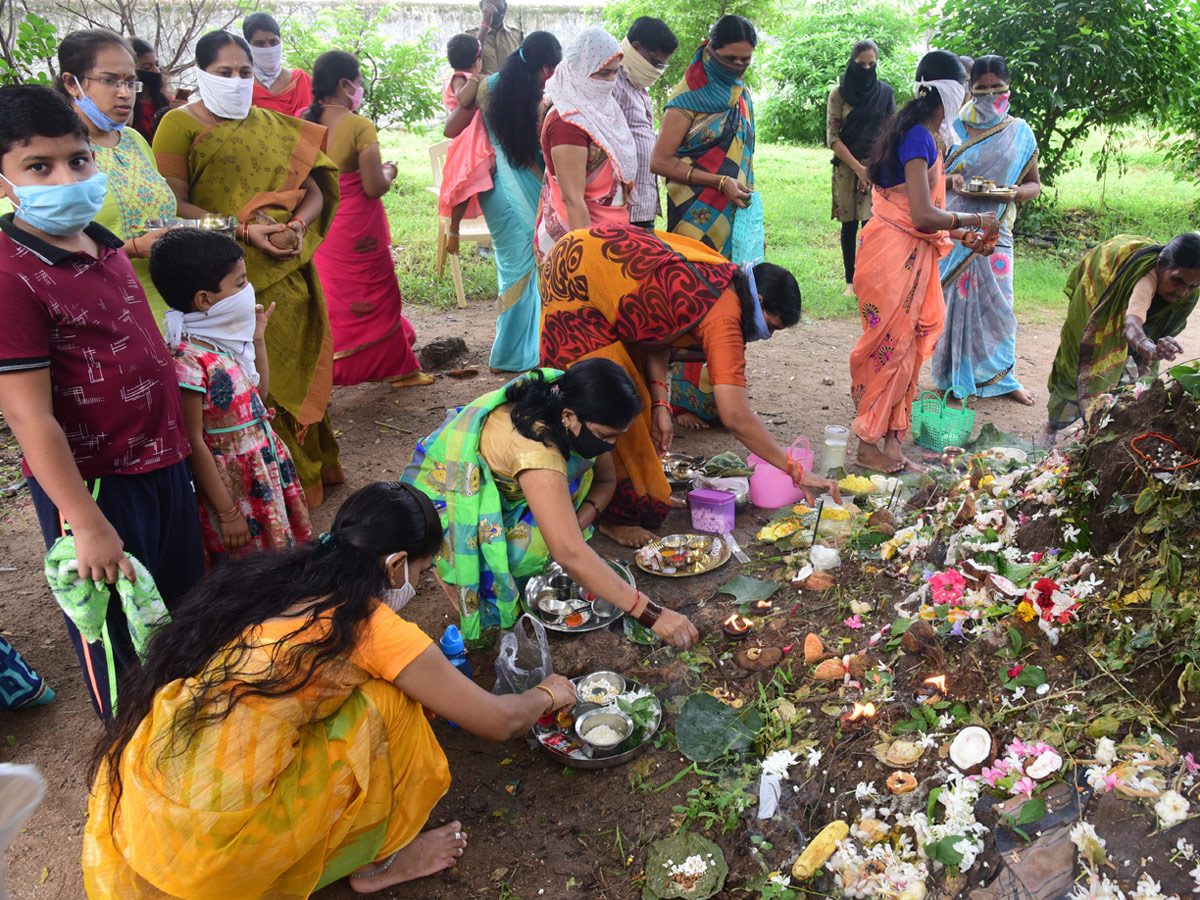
x=267 y=62
x=228 y=325
x=396 y=598
x=225 y=98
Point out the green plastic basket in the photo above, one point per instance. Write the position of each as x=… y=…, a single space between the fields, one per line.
x=936 y=426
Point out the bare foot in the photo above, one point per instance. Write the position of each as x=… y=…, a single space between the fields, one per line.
x=691 y=420
x=416 y=379
x=1047 y=438
x=871 y=457
x=913 y=466
x=627 y=535
x=849 y=291
x=1027 y=398
x=678 y=503
x=427 y=853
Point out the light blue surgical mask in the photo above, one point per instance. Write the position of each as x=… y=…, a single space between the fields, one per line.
x=96 y=116
x=761 y=330
x=60 y=209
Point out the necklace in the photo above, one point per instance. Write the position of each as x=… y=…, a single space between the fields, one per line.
x=338 y=105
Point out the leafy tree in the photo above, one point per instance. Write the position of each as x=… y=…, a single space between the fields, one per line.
x=1080 y=64
x=27 y=47
x=691 y=21
x=810 y=55
x=401 y=79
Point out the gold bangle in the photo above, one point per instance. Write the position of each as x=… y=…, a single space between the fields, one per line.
x=721 y=184
x=553 y=699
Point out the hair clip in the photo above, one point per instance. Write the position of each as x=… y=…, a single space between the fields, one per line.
x=324 y=539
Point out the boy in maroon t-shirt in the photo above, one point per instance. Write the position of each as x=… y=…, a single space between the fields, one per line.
x=86 y=382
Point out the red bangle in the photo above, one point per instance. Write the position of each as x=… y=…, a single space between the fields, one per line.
x=136 y=252
x=303 y=224
x=663 y=403
x=593 y=505
x=799 y=471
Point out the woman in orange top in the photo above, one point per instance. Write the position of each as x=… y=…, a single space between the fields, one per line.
x=284 y=90
x=641 y=299
x=277 y=737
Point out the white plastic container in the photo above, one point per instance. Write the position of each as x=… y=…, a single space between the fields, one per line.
x=836 y=438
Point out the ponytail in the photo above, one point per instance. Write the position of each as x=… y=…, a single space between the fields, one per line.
x=328 y=72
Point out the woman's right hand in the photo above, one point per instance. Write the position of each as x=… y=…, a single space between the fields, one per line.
x=676 y=629
x=256 y=236
x=561 y=688
x=147 y=240
x=990 y=225
x=662 y=428
x=736 y=192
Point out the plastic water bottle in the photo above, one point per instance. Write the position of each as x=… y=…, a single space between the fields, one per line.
x=452 y=646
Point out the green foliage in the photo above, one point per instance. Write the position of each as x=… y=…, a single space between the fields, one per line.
x=401 y=79
x=707 y=729
x=691 y=21
x=1078 y=65
x=811 y=55
x=662 y=855
x=710 y=804
x=27 y=57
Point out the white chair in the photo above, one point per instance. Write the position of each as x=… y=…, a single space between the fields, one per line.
x=21 y=789
x=468 y=230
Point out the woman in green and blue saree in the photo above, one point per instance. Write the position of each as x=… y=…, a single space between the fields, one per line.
x=519 y=477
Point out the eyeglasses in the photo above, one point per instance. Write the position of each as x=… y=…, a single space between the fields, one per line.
x=134 y=86
x=731 y=60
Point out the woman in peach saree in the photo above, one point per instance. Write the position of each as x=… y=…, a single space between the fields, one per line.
x=896 y=277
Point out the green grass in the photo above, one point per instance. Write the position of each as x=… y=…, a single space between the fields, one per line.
x=1141 y=197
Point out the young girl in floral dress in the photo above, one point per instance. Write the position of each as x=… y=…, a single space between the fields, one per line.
x=250 y=495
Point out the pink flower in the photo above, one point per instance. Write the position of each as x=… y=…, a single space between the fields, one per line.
x=1015 y=671
x=1023 y=786
x=947 y=586
x=854 y=621
x=1192 y=766
x=1035 y=557
x=991 y=776
x=1017 y=747
x=1111 y=781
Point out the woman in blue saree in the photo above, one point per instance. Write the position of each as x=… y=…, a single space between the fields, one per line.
x=975 y=356
x=511 y=104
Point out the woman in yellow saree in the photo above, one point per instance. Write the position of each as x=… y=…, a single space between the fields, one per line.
x=277 y=739
x=222 y=156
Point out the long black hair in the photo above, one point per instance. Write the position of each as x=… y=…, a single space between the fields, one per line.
x=991 y=64
x=1181 y=252
x=597 y=390
x=934 y=66
x=518 y=94
x=340 y=577
x=730 y=30
x=328 y=71
x=77 y=53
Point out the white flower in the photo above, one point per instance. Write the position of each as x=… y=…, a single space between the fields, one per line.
x=1106 y=751
x=1042 y=689
x=778 y=763
x=1147 y=889
x=1084 y=589
x=1082 y=833
x=781 y=880
x=945 y=720
x=1089 y=488
x=1018 y=692
x=1097 y=890
x=1185 y=848
x=1195 y=875
x=1171 y=808
x=1096 y=776
x=814 y=757
x=1070 y=534
x=1069 y=708
x=864 y=792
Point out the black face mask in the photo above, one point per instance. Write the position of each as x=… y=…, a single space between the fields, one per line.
x=152 y=81
x=587 y=444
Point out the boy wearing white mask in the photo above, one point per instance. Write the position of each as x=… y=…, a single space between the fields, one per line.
x=648 y=47
x=276 y=87
x=251 y=498
x=86 y=382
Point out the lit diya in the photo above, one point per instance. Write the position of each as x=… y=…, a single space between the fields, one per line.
x=761 y=607
x=931 y=690
x=860 y=715
x=736 y=627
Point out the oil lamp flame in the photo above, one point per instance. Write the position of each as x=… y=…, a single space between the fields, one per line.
x=761 y=606
x=861 y=712
x=737 y=626
x=938 y=683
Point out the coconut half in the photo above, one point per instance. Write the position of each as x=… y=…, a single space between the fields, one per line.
x=1044 y=766
x=971 y=748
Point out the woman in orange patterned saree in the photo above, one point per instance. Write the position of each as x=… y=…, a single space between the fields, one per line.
x=896 y=275
x=277 y=737
x=220 y=155
x=641 y=299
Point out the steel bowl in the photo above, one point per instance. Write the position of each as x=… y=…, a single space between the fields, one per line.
x=581 y=689
x=613 y=718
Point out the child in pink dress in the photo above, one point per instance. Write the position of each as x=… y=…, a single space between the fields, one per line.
x=469 y=160
x=250 y=495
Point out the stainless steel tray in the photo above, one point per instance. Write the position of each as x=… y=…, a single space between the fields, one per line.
x=594 y=622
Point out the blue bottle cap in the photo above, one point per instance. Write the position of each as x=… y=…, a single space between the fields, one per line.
x=451 y=642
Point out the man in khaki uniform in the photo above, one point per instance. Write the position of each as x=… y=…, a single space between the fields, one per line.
x=496 y=40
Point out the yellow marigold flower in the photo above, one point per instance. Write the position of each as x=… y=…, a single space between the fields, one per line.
x=1025 y=611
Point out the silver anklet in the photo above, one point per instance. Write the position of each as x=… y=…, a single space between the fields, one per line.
x=387 y=864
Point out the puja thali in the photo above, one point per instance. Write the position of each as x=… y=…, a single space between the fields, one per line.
x=562 y=605
x=680 y=468
x=681 y=555
x=559 y=735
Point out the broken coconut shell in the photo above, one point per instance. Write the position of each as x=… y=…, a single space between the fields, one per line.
x=756 y=659
x=818 y=581
x=898 y=754
x=998 y=584
x=966 y=513
x=814 y=649
x=883 y=521
x=971 y=748
x=921 y=640
x=901 y=783
x=829 y=670
x=287 y=239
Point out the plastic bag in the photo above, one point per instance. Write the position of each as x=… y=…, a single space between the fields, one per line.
x=748 y=240
x=522 y=661
x=824 y=558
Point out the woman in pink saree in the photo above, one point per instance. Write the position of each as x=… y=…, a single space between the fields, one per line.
x=372 y=341
x=896 y=275
x=591 y=160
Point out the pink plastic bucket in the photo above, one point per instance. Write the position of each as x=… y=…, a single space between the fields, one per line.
x=771 y=488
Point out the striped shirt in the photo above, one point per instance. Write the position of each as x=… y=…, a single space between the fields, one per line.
x=644 y=204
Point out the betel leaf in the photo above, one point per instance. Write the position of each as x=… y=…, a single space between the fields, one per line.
x=707 y=729
x=943 y=851
x=663 y=855
x=1032 y=811
x=1032 y=676
x=1188 y=375
x=990 y=436
x=745 y=589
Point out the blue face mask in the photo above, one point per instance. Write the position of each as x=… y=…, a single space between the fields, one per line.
x=60 y=209
x=96 y=117
x=761 y=330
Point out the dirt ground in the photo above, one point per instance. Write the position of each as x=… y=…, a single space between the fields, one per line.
x=558 y=833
